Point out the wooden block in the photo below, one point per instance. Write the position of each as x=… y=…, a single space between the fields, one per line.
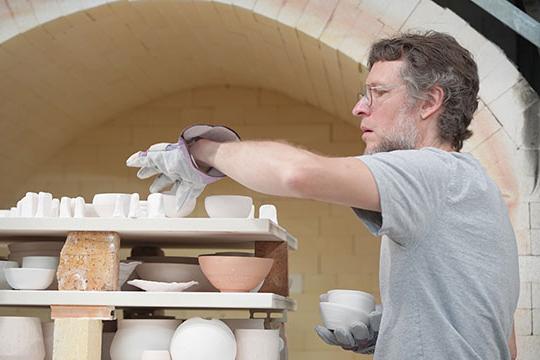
x=76 y=339
x=89 y=261
x=277 y=281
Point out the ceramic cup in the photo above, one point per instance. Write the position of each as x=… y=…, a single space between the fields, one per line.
x=355 y=299
x=258 y=344
x=65 y=207
x=55 y=207
x=78 y=207
x=156 y=206
x=44 y=204
x=156 y=355
x=6 y=265
x=268 y=211
x=21 y=338
x=29 y=205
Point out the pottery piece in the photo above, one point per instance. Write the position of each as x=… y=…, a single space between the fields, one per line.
x=29 y=205
x=19 y=250
x=48 y=338
x=55 y=207
x=29 y=279
x=355 y=299
x=337 y=315
x=228 y=206
x=169 y=206
x=110 y=205
x=65 y=208
x=162 y=286
x=6 y=265
x=133 y=337
x=258 y=344
x=200 y=339
x=21 y=338
x=235 y=273
x=180 y=273
x=44 y=205
x=79 y=207
x=40 y=262
x=268 y=211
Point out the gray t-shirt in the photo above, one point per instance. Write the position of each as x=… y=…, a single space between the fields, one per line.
x=449 y=275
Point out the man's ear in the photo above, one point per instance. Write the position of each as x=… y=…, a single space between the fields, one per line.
x=433 y=102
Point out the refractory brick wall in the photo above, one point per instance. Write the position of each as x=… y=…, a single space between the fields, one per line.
x=335 y=251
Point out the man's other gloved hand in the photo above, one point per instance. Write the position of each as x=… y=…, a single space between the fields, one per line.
x=360 y=338
x=176 y=169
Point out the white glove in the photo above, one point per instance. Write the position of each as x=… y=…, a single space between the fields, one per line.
x=176 y=168
x=360 y=338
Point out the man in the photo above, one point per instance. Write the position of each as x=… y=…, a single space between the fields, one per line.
x=448 y=270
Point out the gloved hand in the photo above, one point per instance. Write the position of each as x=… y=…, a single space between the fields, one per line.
x=175 y=166
x=360 y=338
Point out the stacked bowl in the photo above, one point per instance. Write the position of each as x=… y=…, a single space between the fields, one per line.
x=342 y=308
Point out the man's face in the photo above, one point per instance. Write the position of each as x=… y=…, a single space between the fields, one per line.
x=388 y=117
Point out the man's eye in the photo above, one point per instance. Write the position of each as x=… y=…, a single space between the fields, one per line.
x=378 y=92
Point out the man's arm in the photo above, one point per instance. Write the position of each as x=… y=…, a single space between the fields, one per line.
x=280 y=169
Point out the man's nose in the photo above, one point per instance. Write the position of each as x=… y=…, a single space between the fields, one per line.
x=361 y=109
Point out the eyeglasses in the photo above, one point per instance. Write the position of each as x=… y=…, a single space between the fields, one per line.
x=371 y=92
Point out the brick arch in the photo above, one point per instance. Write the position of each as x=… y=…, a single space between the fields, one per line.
x=67 y=66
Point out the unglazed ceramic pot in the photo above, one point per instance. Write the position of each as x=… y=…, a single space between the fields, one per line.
x=228 y=206
x=235 y=273
x=133 y=337
x=169 y=272
x=200 y=339
x=21 y=338
x=258 y=344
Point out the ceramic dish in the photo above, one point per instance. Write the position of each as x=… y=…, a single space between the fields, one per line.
x=29 y=279
x=180 y=273
x=336 y=315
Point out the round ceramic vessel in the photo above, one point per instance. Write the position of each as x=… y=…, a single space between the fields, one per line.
x=228 y=206
x=21 y=338
x=29 y=278
x=235 y=273
x=200 y=339
x=133 y=337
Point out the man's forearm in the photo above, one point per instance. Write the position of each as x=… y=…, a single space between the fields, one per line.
x=271 y=165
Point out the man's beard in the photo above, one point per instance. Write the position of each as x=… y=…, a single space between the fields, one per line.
x=403 y=136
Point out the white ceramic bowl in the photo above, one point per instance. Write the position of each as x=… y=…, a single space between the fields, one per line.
x=228 y=206
x=169 y=204
x=355 y=299
x=40 y=262
x=29 y=279
x=336 y=315
x=6 y=265
x=168 y=272
x=200 y=339
x=104 y=203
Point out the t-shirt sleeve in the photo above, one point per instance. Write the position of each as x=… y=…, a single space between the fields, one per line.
x=412 y=186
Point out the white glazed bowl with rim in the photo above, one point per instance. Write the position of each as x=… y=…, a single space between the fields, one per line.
x=6 y=264
x=40 y=262
x=29 y=279
x=340 y=316
x=355 y=299
x=201 y=339
x=228 y=206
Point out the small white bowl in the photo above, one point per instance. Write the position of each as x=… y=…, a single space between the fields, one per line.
x=169 y=205
x=40 y=262
x=340 y=316
x=355 y=299
x=104 y=204
x=228 y=206
x=29 y=279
